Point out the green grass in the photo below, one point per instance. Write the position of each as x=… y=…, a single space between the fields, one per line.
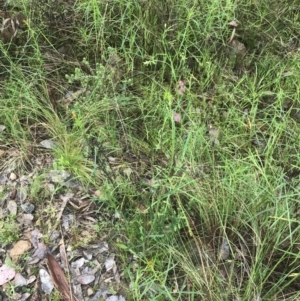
x=9 y=231
x=228 y=171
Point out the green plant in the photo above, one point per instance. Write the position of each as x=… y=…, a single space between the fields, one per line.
x=192 y=142
x=9 y=231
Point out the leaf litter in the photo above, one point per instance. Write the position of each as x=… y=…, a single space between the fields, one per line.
x=91 y=267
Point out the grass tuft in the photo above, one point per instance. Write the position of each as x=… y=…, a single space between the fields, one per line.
x=192 y=137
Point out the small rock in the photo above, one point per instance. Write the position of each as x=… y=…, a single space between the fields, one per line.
x=109 y=263
x=48 y=143
x=22 y=194
x=88 y=255
x=31 y=279
x=12 y=207
x=98 y=194
x=90 y=292
x=127 y=171
x=25 y=296
x=225 y=250
x=50 y=187
x=28 y=207
x=16 y=296
x=58 y=176
x=19 y=280
x=54 y=235
x=3 y=178
x=115 y=298
x=12 y=176
x=117 y=215
x=73 y=184
x=85 y=279
x=47 y=285
x=78 y=263
x=25 y=219
x=103 y=292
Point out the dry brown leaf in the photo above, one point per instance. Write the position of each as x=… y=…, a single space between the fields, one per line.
x=20 y=248
x=37 y=292
x=39 y=252
x=59 y=279
x=63 y=256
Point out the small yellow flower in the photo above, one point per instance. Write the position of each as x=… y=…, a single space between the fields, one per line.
x=150 y=263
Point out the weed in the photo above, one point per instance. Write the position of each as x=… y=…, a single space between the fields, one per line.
x=192 y=138
x=9 y=231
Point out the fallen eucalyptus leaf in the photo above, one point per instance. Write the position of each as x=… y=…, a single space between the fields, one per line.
x=20 y=248
x=6 y=274
x=59 y=279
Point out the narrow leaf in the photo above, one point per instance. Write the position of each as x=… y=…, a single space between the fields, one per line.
x=59 y=279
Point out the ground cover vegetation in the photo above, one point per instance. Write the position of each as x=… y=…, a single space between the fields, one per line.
x=180 y=119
